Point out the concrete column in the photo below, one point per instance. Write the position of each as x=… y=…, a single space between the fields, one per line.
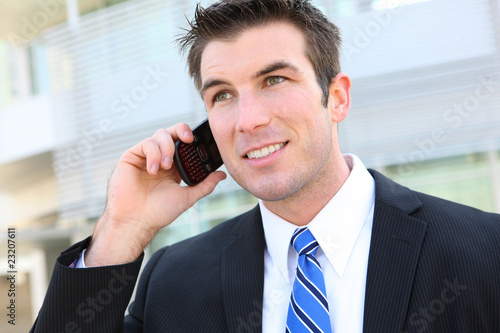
x=38 y=280
x=494 y=164
x=22 y=72
x=73 y=13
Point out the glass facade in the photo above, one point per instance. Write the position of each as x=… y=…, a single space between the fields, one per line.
x=467 y=179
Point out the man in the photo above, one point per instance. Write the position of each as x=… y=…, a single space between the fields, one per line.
x=382 y=258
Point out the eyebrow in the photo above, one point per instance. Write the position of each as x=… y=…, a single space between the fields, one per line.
x=274 y=67
x=210 y=84
x=266 y=70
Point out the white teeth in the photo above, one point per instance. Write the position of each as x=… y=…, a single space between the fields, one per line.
x=266 y=151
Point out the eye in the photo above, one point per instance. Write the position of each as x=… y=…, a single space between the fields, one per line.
x=272 y=80
x=222 y=96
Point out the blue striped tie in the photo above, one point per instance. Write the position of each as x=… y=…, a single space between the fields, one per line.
x=308 y=309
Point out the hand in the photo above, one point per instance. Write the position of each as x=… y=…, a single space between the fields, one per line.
x=144 y=195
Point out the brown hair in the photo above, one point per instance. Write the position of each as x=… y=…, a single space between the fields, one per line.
x=226 y=19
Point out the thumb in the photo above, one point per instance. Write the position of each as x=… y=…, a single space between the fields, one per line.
x=208 y=184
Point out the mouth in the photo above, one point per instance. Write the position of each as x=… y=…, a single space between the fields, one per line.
x=266 y=151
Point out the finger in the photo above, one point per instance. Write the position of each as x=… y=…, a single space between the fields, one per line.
x=181 y=132
x=152 y=153
x=166 y=139
x=166 y=145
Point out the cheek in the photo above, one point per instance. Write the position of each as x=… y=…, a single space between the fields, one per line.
x=295 y=103
x=221 y=130
x=309 y=118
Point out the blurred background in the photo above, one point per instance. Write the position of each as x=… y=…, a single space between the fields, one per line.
x=83 y=80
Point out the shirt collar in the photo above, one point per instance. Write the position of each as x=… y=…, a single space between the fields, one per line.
x=336 y=227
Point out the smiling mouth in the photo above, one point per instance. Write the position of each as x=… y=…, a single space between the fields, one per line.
x=266 y=151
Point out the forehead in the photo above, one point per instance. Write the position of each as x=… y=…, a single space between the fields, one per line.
x=253 y=48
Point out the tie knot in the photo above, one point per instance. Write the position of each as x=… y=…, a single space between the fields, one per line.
x=304 y=242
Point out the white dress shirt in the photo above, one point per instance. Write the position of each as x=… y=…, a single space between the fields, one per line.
x=343 y=230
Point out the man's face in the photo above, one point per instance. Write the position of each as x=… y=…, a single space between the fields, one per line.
x=265 y=111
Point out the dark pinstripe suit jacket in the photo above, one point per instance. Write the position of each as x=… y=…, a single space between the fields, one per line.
x=434 y=266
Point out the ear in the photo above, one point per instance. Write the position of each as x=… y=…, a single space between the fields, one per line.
x=339 y=102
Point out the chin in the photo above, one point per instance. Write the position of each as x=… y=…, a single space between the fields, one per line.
x=270 y=187
x=271 y=191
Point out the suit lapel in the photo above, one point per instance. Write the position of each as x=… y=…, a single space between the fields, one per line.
x=243 y=274
x=394 y=251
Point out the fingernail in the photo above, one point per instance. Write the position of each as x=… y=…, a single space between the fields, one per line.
x=167 y=161
x=154 y=168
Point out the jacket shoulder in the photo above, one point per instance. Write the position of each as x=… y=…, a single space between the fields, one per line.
x=453 y=230
x=430 y=208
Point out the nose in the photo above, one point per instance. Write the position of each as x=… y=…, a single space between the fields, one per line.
x=252 y=113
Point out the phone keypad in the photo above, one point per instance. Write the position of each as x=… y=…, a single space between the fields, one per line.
x=191 y=160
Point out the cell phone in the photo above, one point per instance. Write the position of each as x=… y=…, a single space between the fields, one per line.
x=196 y=160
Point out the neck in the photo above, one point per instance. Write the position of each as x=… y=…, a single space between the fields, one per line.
x=301 y=207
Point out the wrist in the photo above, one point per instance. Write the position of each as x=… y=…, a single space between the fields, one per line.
x=116 y=242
